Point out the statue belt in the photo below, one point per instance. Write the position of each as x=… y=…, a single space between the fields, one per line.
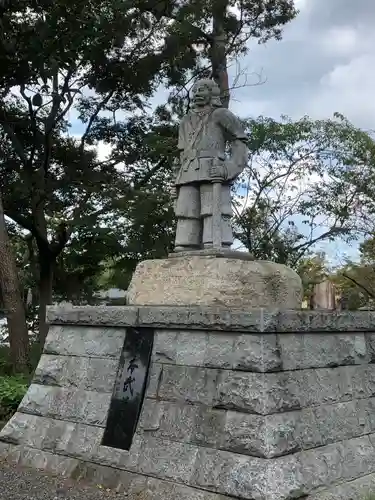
x=201 y=153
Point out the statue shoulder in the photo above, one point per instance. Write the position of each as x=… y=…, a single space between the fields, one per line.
x=230 y=122
x=184 y=119
x=224 y=114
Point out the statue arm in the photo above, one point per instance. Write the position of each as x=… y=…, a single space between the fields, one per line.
x=177 y=160
x=180 y=148
x=238 y=139
x=238 y=159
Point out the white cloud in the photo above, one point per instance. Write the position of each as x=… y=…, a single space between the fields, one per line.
x=340 y=41
x=349 y=89
x=103 y=150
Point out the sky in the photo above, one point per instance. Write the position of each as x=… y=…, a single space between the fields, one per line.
x=324 y=63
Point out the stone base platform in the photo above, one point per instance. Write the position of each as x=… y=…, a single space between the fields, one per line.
x=220 y=278
x=252 y=405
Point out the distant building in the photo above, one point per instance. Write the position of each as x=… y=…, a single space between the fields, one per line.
x=112 y=293
x=112 y=296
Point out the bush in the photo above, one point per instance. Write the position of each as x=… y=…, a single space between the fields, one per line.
x=5 y=363
x=13 y=386
x=12 y=390
x=6 y=367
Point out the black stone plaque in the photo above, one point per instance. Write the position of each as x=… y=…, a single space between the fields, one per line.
x=130 y=387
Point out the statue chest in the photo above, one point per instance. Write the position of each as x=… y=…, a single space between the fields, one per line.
x=203 y=134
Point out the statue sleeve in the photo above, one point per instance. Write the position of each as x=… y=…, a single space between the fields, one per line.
x=238 y=139
x=181 y=136
x=181 y=144
x=232 y=125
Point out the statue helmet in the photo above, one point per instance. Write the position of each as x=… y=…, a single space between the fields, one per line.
x=215 y=90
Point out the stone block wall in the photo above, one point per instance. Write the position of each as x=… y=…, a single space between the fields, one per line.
x=256 y=405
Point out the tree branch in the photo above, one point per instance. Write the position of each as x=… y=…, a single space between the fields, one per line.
x=92 y=119
x=25 y=223
x=34 y=125
x=21 y=221
x=5 y=123
x=371 y=294
x=305 y=246
x=51 y=120
x=65 y=229
x=150 y=173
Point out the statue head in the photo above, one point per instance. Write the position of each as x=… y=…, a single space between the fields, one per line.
x=205 y=92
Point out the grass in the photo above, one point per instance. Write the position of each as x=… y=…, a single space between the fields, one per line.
x=12 y=390
x=13 y=386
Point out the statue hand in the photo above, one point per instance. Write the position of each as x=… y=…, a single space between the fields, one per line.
x=173 y=192
x=217 y=171
x=233 y=170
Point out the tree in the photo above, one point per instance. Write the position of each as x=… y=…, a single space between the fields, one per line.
x=353 y=283
x=12 y=301
x=356 y=280
x=136 y=225
x=313 y=270
x=101 y=60
x=52 y=53
x=214 y=32
x=303 y=186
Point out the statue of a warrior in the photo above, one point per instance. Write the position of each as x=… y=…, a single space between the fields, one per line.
x=205 y=172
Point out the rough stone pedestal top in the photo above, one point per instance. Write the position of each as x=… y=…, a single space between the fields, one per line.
x=207 y=280
x=214 y=253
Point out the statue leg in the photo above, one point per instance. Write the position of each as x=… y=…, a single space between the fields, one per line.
x=206 y=213
x=187 y=210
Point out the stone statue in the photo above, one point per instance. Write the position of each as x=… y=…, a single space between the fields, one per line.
x=205 y=172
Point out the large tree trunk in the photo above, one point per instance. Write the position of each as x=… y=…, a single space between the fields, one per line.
x=46 y=267
x=219 y=49
x=13 y=303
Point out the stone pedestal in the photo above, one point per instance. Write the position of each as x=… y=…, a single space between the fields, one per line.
x=225 y=278
x=324 y=296
x=252 y=405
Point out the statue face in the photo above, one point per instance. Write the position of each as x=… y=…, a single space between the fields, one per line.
x=202 y=93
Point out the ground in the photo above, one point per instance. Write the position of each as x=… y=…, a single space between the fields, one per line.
x=18 y=483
